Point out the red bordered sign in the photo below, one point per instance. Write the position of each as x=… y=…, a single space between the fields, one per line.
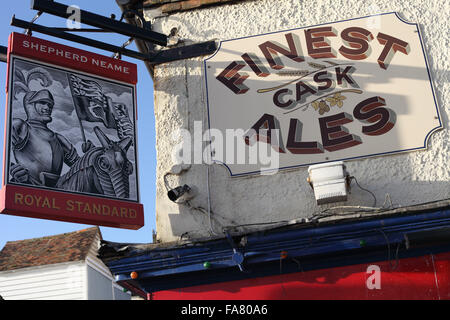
x=70 y=136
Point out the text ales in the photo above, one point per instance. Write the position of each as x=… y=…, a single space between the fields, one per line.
x=337 y=91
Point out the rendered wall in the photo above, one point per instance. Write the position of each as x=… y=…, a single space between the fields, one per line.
x=409 y=178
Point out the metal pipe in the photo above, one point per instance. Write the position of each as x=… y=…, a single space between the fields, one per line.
x=3 y=53
x=99 y=21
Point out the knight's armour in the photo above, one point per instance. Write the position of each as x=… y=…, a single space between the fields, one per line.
x=41 y=151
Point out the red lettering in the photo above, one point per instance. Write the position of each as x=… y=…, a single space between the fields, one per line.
x=255 y=64
x=391 y=46
x=371 y=111
x=266 y=129
x=318 y=46
x=270 y=49
x=358 y=41
x=294 y=143
x=334 y=136
x=232 y=79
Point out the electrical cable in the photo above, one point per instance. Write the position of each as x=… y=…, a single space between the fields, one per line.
x=393 y=267
x=188 y=204
x=209 y=201
x=386 y=198
x=208 y=191
x=358 y=210
x=373 y=195
x=298 y=264
x=324 y=214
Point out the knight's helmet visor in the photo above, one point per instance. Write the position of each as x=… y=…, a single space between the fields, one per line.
x=39 y=96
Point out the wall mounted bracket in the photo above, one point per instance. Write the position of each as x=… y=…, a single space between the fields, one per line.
x=105 y=24
x=3 y=53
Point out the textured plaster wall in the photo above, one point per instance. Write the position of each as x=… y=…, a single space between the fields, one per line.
x=409 y=178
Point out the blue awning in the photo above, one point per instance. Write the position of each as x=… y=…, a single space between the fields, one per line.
x=409 y=232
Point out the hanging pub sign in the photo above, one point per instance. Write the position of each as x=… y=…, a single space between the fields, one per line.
x=70 y=147
x=336 y=91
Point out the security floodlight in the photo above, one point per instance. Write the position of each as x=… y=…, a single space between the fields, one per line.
x=329 y=181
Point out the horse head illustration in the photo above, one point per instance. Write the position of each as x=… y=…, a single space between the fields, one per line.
x=101 y=170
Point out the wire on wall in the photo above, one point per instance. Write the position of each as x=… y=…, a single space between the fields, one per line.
x=368 y=191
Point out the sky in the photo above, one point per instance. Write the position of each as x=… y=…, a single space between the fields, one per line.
x=14 y=228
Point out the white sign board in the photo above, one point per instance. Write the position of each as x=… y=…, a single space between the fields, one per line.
x=337 y=91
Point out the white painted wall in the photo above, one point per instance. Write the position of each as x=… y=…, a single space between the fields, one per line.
x=409 y=178
x=65 y=281
x=101 y=287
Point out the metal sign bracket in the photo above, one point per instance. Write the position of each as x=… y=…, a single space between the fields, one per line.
x=104 y=24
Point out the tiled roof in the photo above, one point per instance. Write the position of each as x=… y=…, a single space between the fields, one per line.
x=66 y=247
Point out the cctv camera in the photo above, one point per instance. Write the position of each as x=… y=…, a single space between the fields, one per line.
x=177 y=192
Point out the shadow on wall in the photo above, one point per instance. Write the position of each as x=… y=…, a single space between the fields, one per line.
x=191 y=223
x=403 y=176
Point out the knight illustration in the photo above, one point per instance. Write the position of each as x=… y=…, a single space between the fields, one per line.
x=101 y=170
x=39 y=152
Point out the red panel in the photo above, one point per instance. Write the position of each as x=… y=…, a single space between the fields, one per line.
x=42 y=203
x=65 y=56
x=62 y=206
x=425 y=277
